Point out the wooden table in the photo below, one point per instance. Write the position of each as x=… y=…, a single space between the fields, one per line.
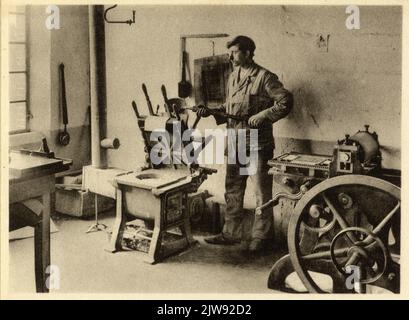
x=31 y=188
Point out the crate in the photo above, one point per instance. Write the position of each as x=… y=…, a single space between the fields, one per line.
x=79 y=203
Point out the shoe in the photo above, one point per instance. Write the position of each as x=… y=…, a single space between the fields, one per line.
x=258 y=246
x=221 y=239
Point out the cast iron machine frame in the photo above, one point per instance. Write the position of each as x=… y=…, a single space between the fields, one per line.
x=158 y=193
x=345 y=219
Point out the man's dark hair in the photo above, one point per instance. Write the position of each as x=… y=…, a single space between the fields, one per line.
x=244 y=43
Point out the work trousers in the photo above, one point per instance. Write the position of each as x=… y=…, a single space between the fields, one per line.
x=235 y=189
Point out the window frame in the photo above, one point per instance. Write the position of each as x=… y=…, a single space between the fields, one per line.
x=26 y=42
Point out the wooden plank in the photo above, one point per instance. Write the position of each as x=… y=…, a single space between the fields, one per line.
x=210 y=80
x=23 y=165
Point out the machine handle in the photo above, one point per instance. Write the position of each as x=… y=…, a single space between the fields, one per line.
x=164 y=94
x=270 y=203
x=222 y=114
x=273 y=202
x=135 y=109
x=165 y=97
x=140 y=126
x=148 y=101
x=208 y=170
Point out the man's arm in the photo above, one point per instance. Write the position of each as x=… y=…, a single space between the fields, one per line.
x=280 y=105
x=282 y=99
x=206 y=112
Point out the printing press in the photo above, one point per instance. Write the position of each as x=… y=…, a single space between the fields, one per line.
x=156 y=195
x=341 y=217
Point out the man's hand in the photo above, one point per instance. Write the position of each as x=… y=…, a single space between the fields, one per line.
x=202 y=111
x=257 y=120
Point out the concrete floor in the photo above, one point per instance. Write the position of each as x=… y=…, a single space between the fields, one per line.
x=86 y=268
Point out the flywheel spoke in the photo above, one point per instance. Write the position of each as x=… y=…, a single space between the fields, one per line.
x=385 y=220
x=342 y=222
x=381 y=225
x=359 y=236
x=339 y=253
x=352 y=260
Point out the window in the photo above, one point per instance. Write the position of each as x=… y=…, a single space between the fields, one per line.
x=18 y=69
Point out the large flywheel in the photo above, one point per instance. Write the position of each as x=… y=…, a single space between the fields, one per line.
x=347 y=228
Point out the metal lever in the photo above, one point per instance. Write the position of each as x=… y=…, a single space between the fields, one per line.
x=219 y=113
x=148 y=100
x=273 y=202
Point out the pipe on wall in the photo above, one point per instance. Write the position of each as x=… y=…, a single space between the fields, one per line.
x=97 y=84
x=110 y=143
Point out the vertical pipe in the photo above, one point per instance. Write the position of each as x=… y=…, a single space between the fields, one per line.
x=97 y=84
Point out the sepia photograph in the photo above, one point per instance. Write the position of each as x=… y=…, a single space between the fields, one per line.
x=201 y=148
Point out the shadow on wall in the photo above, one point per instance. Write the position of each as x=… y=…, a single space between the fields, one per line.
x=314 y=102
x=304 y=116
x=305 y=108
x=389 y=151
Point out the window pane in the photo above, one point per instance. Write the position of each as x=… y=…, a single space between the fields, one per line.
x=17 y=27
x=17 y=116
x=17 y=63
x=17 y=57
x=17 y=87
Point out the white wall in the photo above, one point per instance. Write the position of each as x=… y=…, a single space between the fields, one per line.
x=48 y=48
x=357 y=82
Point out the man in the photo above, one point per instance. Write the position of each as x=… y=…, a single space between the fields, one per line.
x=257 y=93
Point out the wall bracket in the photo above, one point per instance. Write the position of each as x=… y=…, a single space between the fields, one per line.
x=130 y=21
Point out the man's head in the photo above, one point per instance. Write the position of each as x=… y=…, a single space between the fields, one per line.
x=241 y=50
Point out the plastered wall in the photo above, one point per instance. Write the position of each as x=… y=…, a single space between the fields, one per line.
x=49 y=48
x=356 y=81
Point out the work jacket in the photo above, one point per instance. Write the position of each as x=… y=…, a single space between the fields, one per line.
x=258 y=90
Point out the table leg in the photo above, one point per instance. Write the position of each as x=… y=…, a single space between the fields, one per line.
x=186 y=230
x=155 y=247
x=119 y=225
x=42 y=245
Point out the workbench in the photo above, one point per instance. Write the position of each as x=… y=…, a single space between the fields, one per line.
x=31 y=189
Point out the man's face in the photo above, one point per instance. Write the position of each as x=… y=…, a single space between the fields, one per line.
x=237 y=57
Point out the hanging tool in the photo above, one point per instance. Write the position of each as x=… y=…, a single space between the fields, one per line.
x=184 y=87
x=63 y=137
x=148 y=101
